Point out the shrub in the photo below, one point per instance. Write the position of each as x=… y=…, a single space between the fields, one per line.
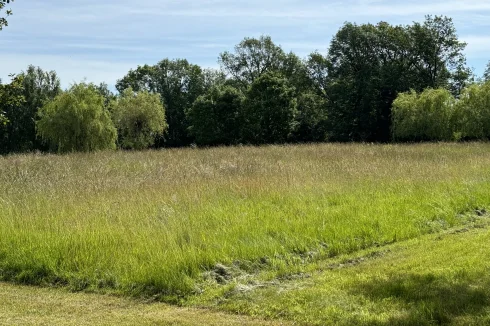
x=424 y=116
x=472 y=112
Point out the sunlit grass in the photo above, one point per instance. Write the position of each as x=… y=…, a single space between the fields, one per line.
x=432 y=280
x=152 y=222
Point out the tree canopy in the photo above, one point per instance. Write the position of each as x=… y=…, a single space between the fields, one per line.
x=76 y=120
x=214 y=118
x=8 y=12
x=375 y=83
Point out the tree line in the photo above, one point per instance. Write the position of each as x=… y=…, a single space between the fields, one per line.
x=376 y=83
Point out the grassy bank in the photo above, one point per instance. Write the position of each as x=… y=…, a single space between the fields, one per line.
x=150 y=223
x=441 y=279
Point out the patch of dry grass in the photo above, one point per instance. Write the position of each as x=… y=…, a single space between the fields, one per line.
x=34 y=306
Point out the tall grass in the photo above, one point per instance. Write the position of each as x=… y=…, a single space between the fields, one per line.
x=151 y=222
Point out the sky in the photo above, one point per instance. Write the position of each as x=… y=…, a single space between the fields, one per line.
x=100 y=40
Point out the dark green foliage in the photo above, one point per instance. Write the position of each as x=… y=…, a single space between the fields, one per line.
x=37 y=87
x=11 y=98
x=108 y=95
x=139 y=118
x=214 y=118
x=76 y=120
x=368 y=65
x=270 y=111
x=263 y=94
x=311 y=118
x=437 y=55
x=252 y=58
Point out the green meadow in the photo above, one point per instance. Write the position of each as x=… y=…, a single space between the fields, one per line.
x=260 y=231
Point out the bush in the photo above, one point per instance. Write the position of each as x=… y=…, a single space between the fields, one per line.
x=472 y=113
x=139 y=118
x=77 y=121
x=424 y=116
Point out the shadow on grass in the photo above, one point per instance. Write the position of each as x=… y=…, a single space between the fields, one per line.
x=429 y=299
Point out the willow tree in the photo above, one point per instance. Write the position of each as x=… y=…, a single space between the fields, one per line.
x=76 y=120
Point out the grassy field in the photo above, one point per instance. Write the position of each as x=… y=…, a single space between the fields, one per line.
x=167 y=224
x=439 y=279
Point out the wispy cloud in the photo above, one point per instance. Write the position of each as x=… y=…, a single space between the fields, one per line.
x=101 y=40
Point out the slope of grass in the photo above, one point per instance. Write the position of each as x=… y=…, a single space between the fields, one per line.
x=150 y=223
x=432 y=280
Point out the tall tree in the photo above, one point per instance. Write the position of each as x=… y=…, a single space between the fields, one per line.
x=39 y=87
x=437 y=54
x=252 y=58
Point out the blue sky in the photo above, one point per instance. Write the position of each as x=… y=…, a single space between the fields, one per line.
x=100 y=40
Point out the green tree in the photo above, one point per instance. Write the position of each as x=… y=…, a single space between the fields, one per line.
x=38 y=87
x=76 y=120
x=3 y=20
x=11 y=98
x=425 y=116
x=472 y=112
x=214 y=118
x=108 y=95
x=254 y=57
x=179 y=83
x=311 y=118
x=270 y=110
x=139 y=118
x=438 y=55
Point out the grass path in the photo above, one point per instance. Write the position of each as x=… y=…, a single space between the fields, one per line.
x=21 y=305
